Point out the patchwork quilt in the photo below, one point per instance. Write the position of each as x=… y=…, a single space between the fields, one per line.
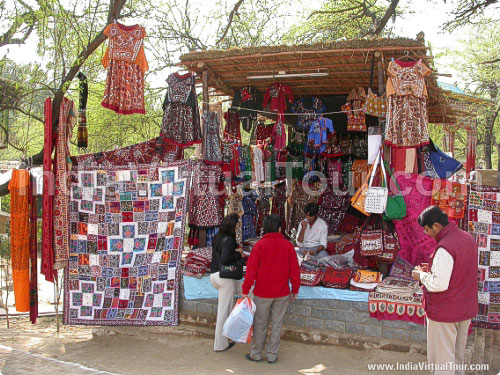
x=126 y=238
x=483 y=222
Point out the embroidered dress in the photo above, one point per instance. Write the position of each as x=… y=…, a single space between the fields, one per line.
x=277 y=95
x=126 y=64
x=298 y=200
x=407 y=124
x=295 y=155
x=19 y=240
x=258 y=159
x=332 y=208
x=317 y=138
x=211 y=141
x=206 y=208
x=279 y=134
x=232 y=129
x=279 y=204
x=309 y=108
x=263 y=132
x=250 y=212
x=181 y=117
x=356 y=119
x=246 y=98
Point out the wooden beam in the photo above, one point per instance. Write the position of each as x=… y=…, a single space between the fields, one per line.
x=219 y=83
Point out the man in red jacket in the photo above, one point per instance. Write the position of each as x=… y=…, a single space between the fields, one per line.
x=271 y=266
x=450 y=291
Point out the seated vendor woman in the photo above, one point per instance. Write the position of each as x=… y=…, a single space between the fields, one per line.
x=312 y=233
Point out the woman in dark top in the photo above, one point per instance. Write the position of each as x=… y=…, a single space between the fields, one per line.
x=225 y=248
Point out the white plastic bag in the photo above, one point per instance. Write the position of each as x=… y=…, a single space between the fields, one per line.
x=238 y=325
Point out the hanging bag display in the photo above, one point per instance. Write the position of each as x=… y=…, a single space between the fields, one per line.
x=376 y=197
x=358 y=199
x=396 y=206
x=230 y=271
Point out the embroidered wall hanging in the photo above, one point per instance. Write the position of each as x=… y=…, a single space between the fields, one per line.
x=126 y=238
x=482 y=220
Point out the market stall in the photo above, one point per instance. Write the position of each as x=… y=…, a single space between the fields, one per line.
x=329 y=110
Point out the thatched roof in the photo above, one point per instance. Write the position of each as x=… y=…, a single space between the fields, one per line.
x=347 y=62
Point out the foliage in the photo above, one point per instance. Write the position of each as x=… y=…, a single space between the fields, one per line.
x=343 y=19
x=481 y=73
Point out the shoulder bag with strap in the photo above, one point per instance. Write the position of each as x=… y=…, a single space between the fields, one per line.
x=230 y=271
x=376 y=197
x=396 y=206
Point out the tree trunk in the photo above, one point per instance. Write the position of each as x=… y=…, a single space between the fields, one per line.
x=487 y=148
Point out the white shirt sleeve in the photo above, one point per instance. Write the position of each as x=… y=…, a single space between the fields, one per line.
x=323 y=239
x=298 y=234
x=438 y=279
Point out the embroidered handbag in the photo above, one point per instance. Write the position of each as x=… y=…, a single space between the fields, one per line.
x=358 y=199
x=376 y=197
x=310 y=278
x=371 y=241
x=375 y=105
x=363 y=276
x=336 y=278
x=396 y=206
x=390 y=243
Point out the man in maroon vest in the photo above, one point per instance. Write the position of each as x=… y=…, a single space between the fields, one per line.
x=450 y=291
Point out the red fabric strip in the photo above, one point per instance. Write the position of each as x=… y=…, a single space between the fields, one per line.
x=48 y=196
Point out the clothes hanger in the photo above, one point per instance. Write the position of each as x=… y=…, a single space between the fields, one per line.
x=406 y=56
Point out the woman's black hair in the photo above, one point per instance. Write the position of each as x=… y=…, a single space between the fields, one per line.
x=271 y=223
x=228 y=225
x=431 y=215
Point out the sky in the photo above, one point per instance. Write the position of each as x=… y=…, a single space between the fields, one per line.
x=426 y=16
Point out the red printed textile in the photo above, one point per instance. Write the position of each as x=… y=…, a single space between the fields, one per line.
x=336 y=278
x=148 y=152
x=47 y=256
x=416 y=246
x=67 y=119
x=449 y=197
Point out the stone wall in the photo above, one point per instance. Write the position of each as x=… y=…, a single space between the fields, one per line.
x=336 y=316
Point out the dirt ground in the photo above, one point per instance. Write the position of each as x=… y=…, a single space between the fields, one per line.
x=36 y=349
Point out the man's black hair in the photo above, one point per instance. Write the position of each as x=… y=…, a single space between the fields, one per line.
x=271 y=223
x=311 y=209
x=431 y=215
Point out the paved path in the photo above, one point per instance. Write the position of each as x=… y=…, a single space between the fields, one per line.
x=36 y=349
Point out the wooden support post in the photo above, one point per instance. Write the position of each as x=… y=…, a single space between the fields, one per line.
x=204 y=106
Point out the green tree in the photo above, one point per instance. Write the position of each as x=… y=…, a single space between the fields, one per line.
x=479 y=65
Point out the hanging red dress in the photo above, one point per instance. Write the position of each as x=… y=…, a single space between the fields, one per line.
x=126 y=65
